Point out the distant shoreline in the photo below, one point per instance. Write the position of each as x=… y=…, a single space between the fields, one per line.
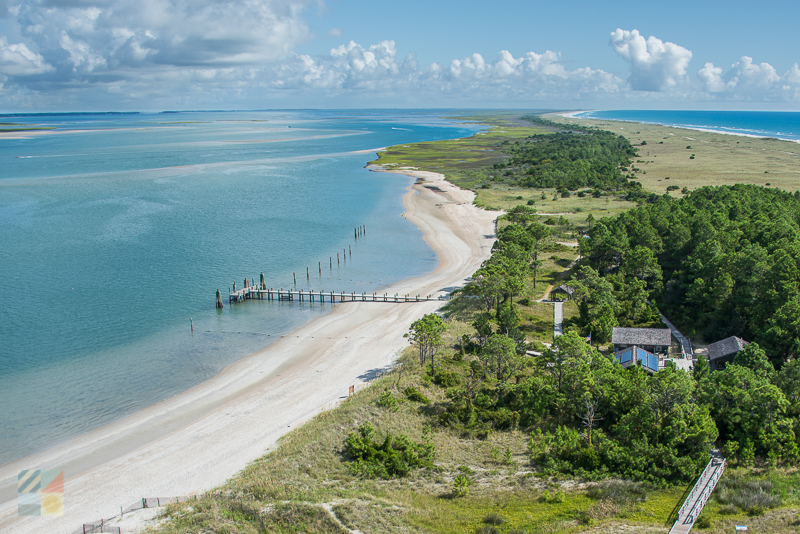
x=720 y=130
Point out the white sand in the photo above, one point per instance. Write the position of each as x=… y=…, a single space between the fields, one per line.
x=197 y=440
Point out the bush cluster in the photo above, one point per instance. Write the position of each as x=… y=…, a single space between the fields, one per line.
x=393 y=458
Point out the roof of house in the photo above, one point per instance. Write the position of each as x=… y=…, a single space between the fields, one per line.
x=641 y=336
x=566 y=289
x=725 y=347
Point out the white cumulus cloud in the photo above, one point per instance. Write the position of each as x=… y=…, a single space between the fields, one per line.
x=655 y=65
x=18 y=60
x=378 y=70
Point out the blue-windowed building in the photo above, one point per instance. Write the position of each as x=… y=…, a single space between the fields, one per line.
x=633 y=354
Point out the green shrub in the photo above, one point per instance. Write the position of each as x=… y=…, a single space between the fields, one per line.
x=703 y=522
x=446 y=379
x=413 y=394
x=494 y=519
x=393 y=458
x=619 y=491
x=531 y=202
x=388 y=400
x=553 y=498
x=461 y=485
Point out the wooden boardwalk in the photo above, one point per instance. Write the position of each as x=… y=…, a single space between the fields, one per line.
x=699 y=495
x=558 y=319
x=292 y=295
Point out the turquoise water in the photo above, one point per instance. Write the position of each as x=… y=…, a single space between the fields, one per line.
x=778 y=124
x=114 y=236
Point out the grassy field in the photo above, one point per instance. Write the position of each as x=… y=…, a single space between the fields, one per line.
x=718 y=159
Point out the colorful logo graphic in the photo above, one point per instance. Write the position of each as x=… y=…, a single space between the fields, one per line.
x=40 y=492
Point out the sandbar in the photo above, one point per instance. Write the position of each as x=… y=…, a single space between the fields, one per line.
x=197 y=440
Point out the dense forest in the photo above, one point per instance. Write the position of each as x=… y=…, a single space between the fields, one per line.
x=570 y=160
x=720 y=261
x=590 y=416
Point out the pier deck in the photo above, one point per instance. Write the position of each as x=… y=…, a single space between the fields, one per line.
x=309 y=295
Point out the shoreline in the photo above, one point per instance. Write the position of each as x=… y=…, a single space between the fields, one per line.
x=196 y=440
x=722 y=131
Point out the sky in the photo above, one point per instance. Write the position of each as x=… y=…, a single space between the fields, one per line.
x=152 y=55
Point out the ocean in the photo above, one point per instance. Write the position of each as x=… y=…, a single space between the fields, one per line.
x=777 y=124
x=116 y=230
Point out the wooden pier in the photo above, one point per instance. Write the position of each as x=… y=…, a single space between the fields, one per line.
x=309 y=295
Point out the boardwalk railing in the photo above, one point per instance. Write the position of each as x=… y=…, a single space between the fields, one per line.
x=257 y=292
x=697 y=498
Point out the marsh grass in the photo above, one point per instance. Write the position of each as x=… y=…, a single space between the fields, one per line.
x=751 y=496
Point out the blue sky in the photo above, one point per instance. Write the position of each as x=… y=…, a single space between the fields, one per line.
x=245 y=54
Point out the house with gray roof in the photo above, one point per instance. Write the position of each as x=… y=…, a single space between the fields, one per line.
x=654 y=340
x=723 y=351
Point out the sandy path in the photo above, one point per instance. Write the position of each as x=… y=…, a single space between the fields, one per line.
x=199 y=439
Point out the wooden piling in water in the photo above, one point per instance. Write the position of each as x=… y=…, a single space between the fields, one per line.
x=337 y=259
x=219 y=299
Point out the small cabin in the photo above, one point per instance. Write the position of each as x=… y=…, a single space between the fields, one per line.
x=722 y=352
x=562 y=292
x=631 y=355
x=654 y=340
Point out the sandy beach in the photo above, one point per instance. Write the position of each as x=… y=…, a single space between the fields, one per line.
x=197 y=440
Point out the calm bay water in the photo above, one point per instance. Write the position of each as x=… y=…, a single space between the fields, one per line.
x=117 y=229
x=781 y=125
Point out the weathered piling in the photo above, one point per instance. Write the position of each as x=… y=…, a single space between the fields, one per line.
x=219 y=299
x=263 y=284
x=294 y=275
x=337 y=259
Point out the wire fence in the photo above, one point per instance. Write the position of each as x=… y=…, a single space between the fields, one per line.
x=106 y=525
